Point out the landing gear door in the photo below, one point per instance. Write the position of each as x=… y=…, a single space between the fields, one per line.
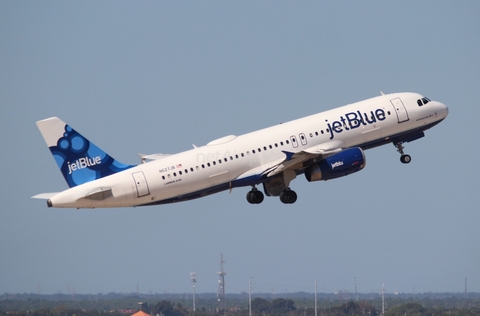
x=140 y=184
x=400 y=109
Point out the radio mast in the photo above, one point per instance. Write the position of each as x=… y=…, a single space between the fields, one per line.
x=222 y=303
x=193 y=278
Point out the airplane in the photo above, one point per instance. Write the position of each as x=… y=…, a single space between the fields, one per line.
x=322 y=146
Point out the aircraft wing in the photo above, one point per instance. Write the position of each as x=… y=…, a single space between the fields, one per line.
x=326 y=149
x=258 y=172
x=295 y=160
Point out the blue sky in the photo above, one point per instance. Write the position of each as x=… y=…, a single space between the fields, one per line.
x=160 y=76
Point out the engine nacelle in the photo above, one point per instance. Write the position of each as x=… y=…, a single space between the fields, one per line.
x=338 y=165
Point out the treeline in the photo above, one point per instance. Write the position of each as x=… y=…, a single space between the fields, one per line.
x=262 y=307
x=207 y=305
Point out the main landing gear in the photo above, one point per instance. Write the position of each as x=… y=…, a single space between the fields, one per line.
x=404 y=158
x=256 y=197
x=288 y=196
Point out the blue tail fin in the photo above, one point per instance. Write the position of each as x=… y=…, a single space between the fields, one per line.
x=79 y=160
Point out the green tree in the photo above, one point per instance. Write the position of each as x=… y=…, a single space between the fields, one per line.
x=406 y=309
x=260 y=305
x=281 y=306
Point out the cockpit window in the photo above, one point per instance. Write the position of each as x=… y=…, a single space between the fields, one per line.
x=423 y=101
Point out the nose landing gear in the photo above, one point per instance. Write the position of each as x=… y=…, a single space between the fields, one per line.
x=404 y=158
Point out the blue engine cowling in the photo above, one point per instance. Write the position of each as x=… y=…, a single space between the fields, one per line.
x=338 y=165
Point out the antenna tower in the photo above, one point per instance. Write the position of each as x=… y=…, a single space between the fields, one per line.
x=383 y=299
x=193 y=277
x=249 y=296
x=222 y=303
x=356 y=294
x=315 y=296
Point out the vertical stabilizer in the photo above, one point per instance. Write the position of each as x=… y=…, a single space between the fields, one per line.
x=79 y=160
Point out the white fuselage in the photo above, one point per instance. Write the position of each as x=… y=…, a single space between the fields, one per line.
x=235 y=161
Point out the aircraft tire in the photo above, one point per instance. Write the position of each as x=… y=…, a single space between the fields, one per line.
x=288 y=197
x=255 y=197
x=405 y=159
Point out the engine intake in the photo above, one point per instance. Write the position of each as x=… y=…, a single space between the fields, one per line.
x=338 y=165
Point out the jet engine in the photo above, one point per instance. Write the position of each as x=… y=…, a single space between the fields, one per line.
x=338 y=165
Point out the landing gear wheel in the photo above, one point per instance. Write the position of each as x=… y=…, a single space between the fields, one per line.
x=288 y=197
x=255 y=196
x=405 y=158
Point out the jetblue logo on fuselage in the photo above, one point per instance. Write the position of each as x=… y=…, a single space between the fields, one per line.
x=83 y=163
x=354 y=120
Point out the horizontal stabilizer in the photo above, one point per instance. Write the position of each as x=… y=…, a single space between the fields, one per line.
x=44 y=196
x=152 y=157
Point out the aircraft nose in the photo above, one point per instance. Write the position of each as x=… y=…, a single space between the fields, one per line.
x=443 y=110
